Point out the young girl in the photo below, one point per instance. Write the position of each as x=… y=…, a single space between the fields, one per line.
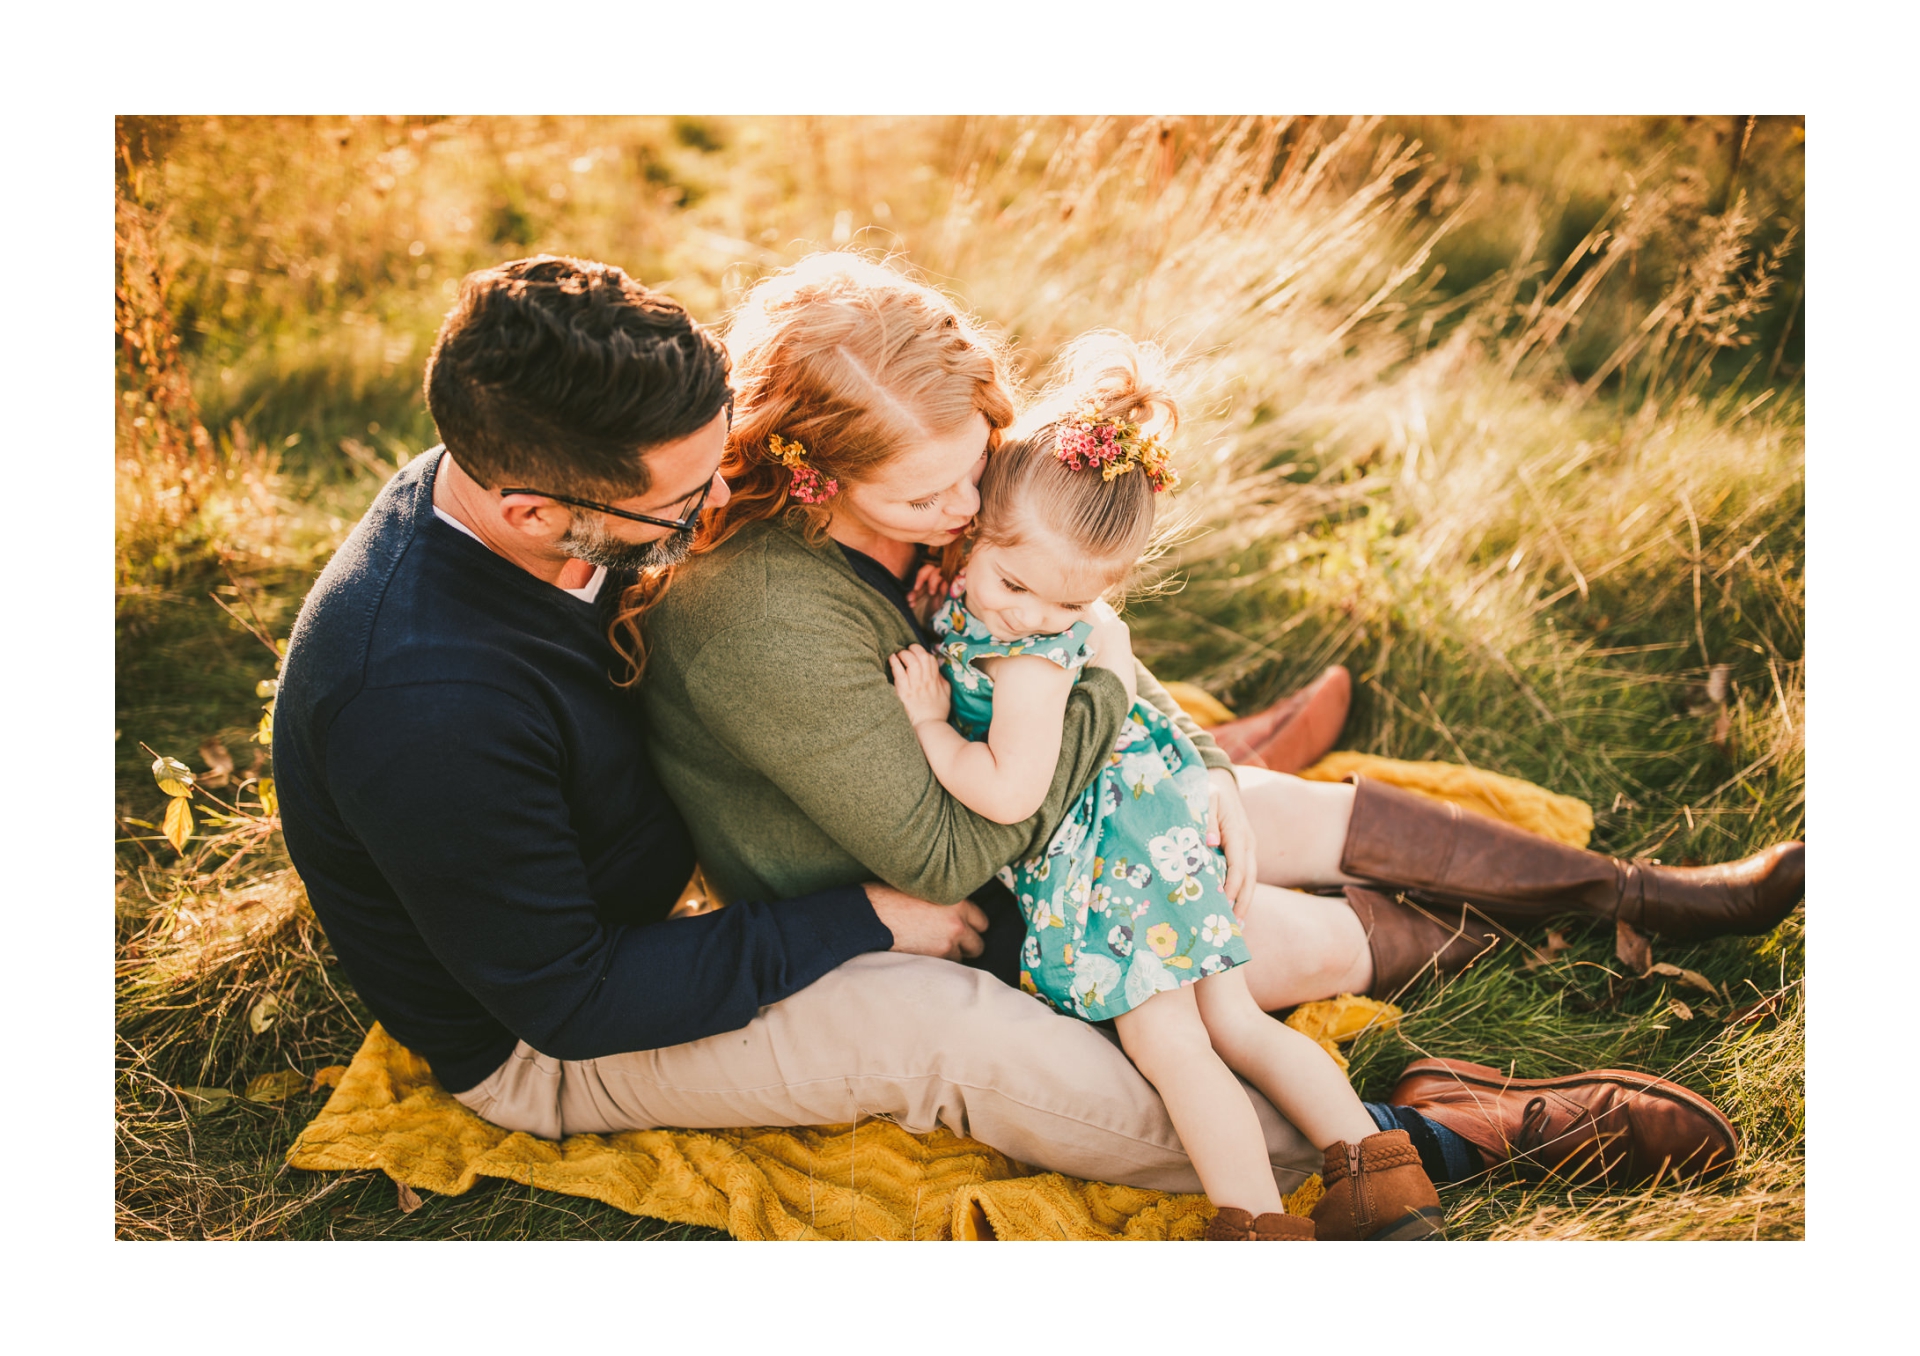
x=1128 y=918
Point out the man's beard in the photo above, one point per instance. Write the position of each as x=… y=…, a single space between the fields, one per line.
x=588 y=539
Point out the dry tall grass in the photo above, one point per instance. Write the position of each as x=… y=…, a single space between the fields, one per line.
x=1511 y=427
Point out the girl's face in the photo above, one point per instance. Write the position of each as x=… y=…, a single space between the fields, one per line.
x=927 y=492
x=1039 y=587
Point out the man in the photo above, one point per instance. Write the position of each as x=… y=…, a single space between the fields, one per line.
x=466 y=793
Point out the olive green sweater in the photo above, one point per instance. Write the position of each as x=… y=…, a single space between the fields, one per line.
x=776 y=730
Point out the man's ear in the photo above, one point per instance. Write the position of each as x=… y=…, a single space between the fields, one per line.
x=535 y=517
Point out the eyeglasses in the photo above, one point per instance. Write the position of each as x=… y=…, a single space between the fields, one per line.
x=679 y=524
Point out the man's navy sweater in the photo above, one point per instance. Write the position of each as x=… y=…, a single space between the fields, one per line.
x=468 y=799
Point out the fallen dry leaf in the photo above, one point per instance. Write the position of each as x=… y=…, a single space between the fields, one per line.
x=219 y=764
x=276 y=1086
x=1556 y=943
x=409 y=1199
x=202 y=1100
x=328 y=1077
x=261 y=1015
x=1693 y=977
x=1632 y=947
x=1680 y=1010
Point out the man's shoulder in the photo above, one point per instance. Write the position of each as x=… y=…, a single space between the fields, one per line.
x=354 y=580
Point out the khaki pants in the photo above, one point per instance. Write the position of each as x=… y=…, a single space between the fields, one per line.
x=920 y=1041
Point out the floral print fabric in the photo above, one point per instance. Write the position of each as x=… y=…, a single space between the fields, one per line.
x=1126 y=900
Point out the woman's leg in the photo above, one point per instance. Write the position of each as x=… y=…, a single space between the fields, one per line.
x=1292 y=1070
x=1304 y=947
x=1167 y=1041
x=1300 y=826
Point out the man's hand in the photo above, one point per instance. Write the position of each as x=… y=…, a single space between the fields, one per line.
x=919 y=684
x=949 y=931
x=1113 y=646
x=1233 y=833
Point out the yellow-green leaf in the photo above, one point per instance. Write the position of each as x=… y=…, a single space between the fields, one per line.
x=276 y=1086
x=178 y=825
x=175 y=777
x=265 y=688
x=261 y=1015
x=202 y=1100
x=269 y=798
x=264 y=735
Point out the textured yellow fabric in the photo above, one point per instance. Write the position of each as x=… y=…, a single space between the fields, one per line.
x=867 y=1180
x=1199 y=703
x=1561 y=818
x=1331 y=1020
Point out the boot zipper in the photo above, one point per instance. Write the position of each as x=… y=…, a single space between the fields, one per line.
x=1362 y=1216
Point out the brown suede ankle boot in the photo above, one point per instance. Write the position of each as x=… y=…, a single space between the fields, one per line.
x=1406 y=938
x=1406 y=840
x=1235 y=1224
x=1377 y=1191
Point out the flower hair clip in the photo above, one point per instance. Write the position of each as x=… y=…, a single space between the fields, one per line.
x=1088 y=440
x=808 y=486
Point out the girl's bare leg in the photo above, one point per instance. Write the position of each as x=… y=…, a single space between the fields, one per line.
x=1168 y=1043
x=1304 y=947
x=1294 y=1072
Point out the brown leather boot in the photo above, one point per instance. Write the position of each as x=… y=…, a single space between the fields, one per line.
x=1407 y=840
x=1377 y=1191
x=1603 y=1125
x=1235 y=1224
x=1294 y=732
x=1406 y=937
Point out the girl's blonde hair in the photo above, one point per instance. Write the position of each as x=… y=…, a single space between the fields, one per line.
x=851 y=359
x=1026 y=485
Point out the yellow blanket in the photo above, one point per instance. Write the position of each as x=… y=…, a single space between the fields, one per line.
x=868 y=1180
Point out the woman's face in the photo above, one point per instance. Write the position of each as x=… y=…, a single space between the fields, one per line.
x=927 y=492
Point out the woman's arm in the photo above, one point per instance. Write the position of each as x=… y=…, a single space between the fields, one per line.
x=1006 y=777
x=809 y=707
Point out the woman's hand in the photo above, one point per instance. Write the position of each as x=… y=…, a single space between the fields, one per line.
x=1234 y=836
x=949 y=931
x=920 y=686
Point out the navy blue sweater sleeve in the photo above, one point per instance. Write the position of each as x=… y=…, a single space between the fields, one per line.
x=456 y=794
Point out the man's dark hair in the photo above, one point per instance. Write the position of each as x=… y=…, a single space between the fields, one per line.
x=557 y=373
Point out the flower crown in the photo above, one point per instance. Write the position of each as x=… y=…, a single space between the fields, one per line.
x=807 y=484
x=1089 y=439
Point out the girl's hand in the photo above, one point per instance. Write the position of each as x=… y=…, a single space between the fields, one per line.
x=920 y=685
x=1113 y=646
x=1232 y=831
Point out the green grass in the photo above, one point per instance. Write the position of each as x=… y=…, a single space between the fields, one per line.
x=1405 y=469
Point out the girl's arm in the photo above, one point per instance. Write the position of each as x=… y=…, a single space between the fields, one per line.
x=1005 y=778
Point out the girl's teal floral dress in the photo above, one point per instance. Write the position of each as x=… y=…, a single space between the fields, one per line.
x=1127 y=899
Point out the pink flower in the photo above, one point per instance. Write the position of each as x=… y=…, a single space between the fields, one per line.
x=810 y=487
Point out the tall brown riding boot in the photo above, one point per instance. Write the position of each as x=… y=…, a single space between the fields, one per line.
x=1406 y=937
x=1398 y=838
x=1294 y=732
x=1377 y=1190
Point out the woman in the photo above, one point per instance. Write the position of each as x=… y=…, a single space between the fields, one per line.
x=866 y=408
